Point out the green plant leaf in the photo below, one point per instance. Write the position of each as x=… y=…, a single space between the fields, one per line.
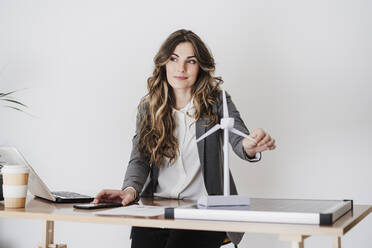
x=18 y=109
x=13 y=101
x=6 y=94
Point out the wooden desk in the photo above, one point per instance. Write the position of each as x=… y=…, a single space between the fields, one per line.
x=50 y=212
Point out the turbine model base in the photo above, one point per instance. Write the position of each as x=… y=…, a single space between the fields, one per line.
x=223 y=200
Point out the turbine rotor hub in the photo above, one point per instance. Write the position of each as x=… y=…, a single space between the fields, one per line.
x=227 y=123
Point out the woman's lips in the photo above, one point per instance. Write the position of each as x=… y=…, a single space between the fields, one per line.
x=181 y=78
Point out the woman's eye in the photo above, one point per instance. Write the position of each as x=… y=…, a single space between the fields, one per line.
x=173 y=59
x=192 y=61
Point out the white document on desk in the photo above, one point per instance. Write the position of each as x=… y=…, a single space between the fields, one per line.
x=134 y=210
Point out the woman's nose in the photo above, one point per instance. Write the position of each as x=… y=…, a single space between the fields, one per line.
x=181 y=67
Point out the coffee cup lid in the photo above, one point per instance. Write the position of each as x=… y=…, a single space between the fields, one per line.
x=13 y=169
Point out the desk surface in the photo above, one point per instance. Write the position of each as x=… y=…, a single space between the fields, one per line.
x=43 y=210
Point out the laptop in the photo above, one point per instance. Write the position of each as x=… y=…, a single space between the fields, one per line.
x=10 y=155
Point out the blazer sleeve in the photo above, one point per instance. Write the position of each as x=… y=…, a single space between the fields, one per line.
x=138 y=167
x=234 y=139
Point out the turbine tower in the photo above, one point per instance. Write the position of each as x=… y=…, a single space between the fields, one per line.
x=227 y=125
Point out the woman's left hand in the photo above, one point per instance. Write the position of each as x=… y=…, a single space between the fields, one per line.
x=263 y=142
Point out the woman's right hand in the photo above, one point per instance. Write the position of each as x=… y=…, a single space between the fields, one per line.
x=124 y=197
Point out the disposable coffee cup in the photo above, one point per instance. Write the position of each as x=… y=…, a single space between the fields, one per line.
x=15 y=181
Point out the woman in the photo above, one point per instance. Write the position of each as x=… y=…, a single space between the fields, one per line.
x=183 y=102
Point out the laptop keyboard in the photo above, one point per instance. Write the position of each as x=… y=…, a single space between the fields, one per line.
x=69 y=195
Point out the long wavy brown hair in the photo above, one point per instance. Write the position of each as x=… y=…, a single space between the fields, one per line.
x=156 y=139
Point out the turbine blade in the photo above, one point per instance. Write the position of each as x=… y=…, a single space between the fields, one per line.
x=210 y=131
x=225 y=109
x=242 y=134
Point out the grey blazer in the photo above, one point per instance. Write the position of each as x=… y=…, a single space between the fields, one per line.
x=210 y=152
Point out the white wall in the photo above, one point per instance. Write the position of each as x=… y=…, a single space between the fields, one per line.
x=299 y=69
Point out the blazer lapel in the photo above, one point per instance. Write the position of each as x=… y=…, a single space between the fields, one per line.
x=200 y=130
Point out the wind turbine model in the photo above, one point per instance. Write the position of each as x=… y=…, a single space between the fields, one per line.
x=227 y=125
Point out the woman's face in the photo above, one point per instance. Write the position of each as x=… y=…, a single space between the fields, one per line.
x=182 y=68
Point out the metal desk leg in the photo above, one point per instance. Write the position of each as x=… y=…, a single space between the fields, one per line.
x=48 y=236
x=296 y=240
x=337 y=242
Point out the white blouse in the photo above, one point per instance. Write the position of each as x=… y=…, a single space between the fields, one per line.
x=183 y=178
